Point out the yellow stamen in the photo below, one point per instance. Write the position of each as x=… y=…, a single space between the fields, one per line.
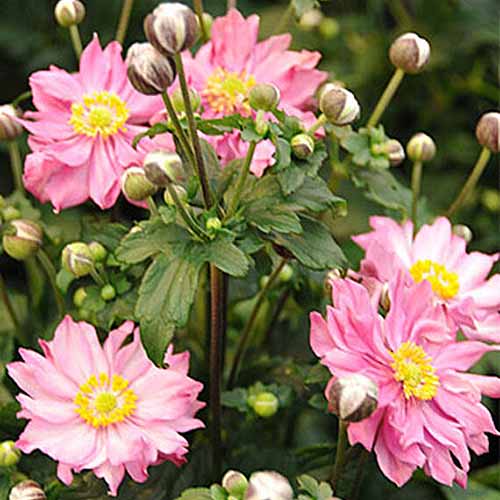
x=101 y=113
x=445 y=283
x=413 y=367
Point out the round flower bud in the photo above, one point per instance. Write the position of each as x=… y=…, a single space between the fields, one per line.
x=490 y=199
x=352 y=398
x=264 y=96
x=9 y=454
x=410 y=53
x=302 y=146
x=108 y=292
x=421 y=147
x=488 y=131
x=395 y=152
x=69 y=12
x=311 y=19
x=265 y=404
x=178 y=100
x=269 y=485
x=286 y=273
x=10 y=213
x=171 y=28
x=135 y=184
x=338 y=105
x=213 y=224
x=79 y=297
x=463 y=231
x=329 y=28
x=10 y=129
x=181 y=194
x=149 y=71
x=22 y=239
x=27 y=490
x=162 y=167
x=77 y=259
x=99 y=253
x=235 y=483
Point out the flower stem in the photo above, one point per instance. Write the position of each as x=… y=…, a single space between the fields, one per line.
x=200 y=166
x=386 y=97
x=153 y=209
x=250 y=323
x=359 y=475
x=241 y=180
x=51 y=274
x=74 y=33
x=97 y=277
x=22 y=97
x=121 y=31
x=471 y=181
x=416 y=181
x=340 y=455
x=317 y=124
x=198 y=8
x=186 y=216
x=10 y=309
x=17 y=167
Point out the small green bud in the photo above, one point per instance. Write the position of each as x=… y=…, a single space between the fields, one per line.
x=84 y=314
x=302 y=146
x=135 y=185
x=108 y=292
x=23 y=239
x=213 y=224
x=286 y=273
x=77 y=259
x=178 y=100
x=339 y=105
x=79 y=297
x=490 y=198
x=162 y=167
x=10 y=128
x=264 y=96
x=410 y=53
x=99 y=253
x=264 y=280
x=421 y=147
x=265 y=405
x=10 y=213
x=181 y=193
x=69 y=12
x=27 y=490
x=9 y=454
x=488 y=131
x=235 y=483
x=329 y=28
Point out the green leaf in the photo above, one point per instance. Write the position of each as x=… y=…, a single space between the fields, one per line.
x=356 y=142
x=227 y=257
x=308 y=484
x=156 y=334
x=156 y=129
x=279 y=220
x=219 y=126
x=283 y=155
x=319 y=402
x=196 y=494
x=218 y=492
x=318 y=374
x=237 y=398
x=104 y=232
x=474 y=490
x=64 y=279
x=315 y=195
x=488 y=476
x=93 y=301
x=291 y=178
x=302 y=6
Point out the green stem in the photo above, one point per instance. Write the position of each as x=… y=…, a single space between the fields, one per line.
x=317 y=124
x=241 y=180
x=186 y=216
x=386 y=97
x=121 y=31
x=153 y=209
x=97 y=277
x=17 y=166
x=250 y=323
x=416 y=181
x=285 y=19
x=471 y=182
x=51 y=274
x=200 y=166
x=340 y=455
x=198 y=8
x=22 y=97
x=74 y=33
x=356 y=487
x=10 y=309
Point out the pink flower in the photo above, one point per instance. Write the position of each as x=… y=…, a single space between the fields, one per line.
x=429 y=410
x=458 y=279
x=82 y=129
x=107 y=408
x=228 y=66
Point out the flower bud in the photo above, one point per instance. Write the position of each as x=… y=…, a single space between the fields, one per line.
x=268 y=485
x=10 y=213
x=488 y=131
x=181 y=194
x=352 y=398
x=329 y=28
x=286 y=273
x=421 y=147
x=149 y=72
x=264 y=96
x=69 y=12
x=235 y=483
x=162 y=167
x=99 y=253
x=108 y=293
x=265 y=404
x=135 y=184
x=23 y=239
x=410 y=53
x=79 y=297
x=77 y=259
x=338 y=105
x=9 y=454
x=302 y=146
x=27 y=490
x=10 y=129
x=178 y=100
x=171 y=28
x=463 y=231
x=213 y=224
x=311 y=19
x=395 y=152
x=490 y=199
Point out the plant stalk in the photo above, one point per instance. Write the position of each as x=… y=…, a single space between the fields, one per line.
x=186 y=216
x=416 y=182
x=17 y=167
x=198 y=8
x=74 y=33
x=10 y=309
x=49 y=269
x=340 y=454
x=121 y=31
x=317 y=124
x=153 y=209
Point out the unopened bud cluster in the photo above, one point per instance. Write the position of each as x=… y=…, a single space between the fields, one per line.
x=421 y=148
x=77 y=259
x=69 y=12
x=488 y=131
x=9 y=454
x=163 y=167
x=27 y=490
x=339 y=105
x=264 y=97
x=22 y=239
x=178 y=100
x=10 y=128
x=302 y=146
x=135 y=185
x=410 y=53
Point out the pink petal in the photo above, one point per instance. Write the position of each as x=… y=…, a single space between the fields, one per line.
x=462 y=355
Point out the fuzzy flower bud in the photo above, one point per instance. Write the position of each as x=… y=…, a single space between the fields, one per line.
x=268 y=485
x=69 y=12
x=181 y=194
x=395 y=152
x=285 y=274
x=235 y=483
x=463 y=231
x=178 y=100
x=265 y=404
x=9 y=454
x=10 y=129
x=23 y=239
x=77 y=259
x=488 y=131
x=27 y=490
x=163 y=167
x=99 y=253
x=410 y=53
x=421 y=147
x=79 y=296
x=10 y=213
x=264 y=96
x=149 y=72
x=171 y=28
x=213 y=224
x=352 y=398
x=338 y=104
x=302 y=146
x=135 y=184
x=108 y=292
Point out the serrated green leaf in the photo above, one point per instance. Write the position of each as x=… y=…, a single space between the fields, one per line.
x=315 y=195
x=356 y=142
x=156 y=129
x=318 y=374
x=219 y=126
x=283 y=155
x=227 y=257
x=237 y=398
x=156 y=334
x=308 y=484
x=291 y=178
x=64 y=279
x=105 y=232
x=280 y=220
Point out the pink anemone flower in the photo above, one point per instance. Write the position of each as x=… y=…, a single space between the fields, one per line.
x=429 y=409
x=83 y=128
x=458 y=279
x=106 y=408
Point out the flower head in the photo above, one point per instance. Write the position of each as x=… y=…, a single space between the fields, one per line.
x=106 y=408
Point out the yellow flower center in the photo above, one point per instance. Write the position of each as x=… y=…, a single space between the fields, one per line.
x=413 y=368
x=443 y=282
x=99 y=113
x=227 y=92
x=101 y=402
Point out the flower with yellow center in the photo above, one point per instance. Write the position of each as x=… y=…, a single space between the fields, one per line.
x=101 y=113
x=226 y=92
x=445 y=283
x=101 y=401
x=412 y=366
